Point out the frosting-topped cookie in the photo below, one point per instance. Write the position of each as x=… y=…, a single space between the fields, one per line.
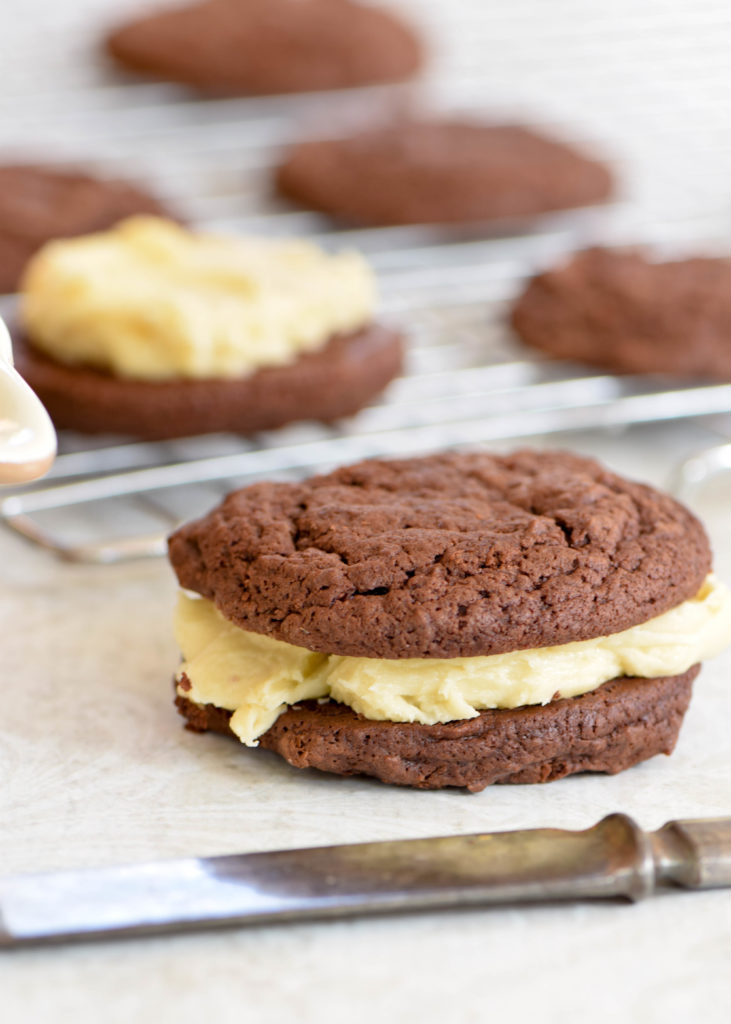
x=452 y=555
x=150 y=300
x=155 y=331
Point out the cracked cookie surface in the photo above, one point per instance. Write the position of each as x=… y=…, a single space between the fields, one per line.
x=452 y=555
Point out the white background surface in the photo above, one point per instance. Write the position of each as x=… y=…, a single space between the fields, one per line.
x=96 y=769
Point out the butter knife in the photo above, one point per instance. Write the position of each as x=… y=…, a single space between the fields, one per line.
x=614 y=858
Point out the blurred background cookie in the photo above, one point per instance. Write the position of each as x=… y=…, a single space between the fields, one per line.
x=39 y=203
x=269 y=46
x=153 y=331
x=620 y=310
x=441 y=171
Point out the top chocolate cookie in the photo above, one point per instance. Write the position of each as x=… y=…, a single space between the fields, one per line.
x=40 y=203
x=236 y=47
x=441 y=171
x=454 y=555
x=616 y=309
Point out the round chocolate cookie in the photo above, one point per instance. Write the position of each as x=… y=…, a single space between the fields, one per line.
x=609 y=729
x=441 y=171
x=453 y=555
x=618 y=310
x=38 y=204
x=236 y=47
x=327 y=384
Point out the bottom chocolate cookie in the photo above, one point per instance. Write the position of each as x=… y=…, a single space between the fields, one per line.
x=334 y=381
x=619 y=724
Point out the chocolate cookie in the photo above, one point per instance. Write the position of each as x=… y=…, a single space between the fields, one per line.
x=38 y=204
x=618 y=310
x=612 y=728
x=454 y=555
x=334 y=381
x=269 y=46
x=441 y=171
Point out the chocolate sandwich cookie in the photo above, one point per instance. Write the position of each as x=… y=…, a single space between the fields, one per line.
x=454 y=620
x=619 y=310
x=441 y=171
x=236 y=47
x=325 y=385
x=157 y=332
x=39 y=203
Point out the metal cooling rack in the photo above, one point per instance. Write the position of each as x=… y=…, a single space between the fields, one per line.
x=468 y=381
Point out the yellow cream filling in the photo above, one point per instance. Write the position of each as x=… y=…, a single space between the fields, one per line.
x=256 y=677
x=151 y=300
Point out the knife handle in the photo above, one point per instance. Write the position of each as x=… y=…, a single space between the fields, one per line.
x=695 y=853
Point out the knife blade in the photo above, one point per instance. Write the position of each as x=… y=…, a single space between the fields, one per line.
x=614 y=858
